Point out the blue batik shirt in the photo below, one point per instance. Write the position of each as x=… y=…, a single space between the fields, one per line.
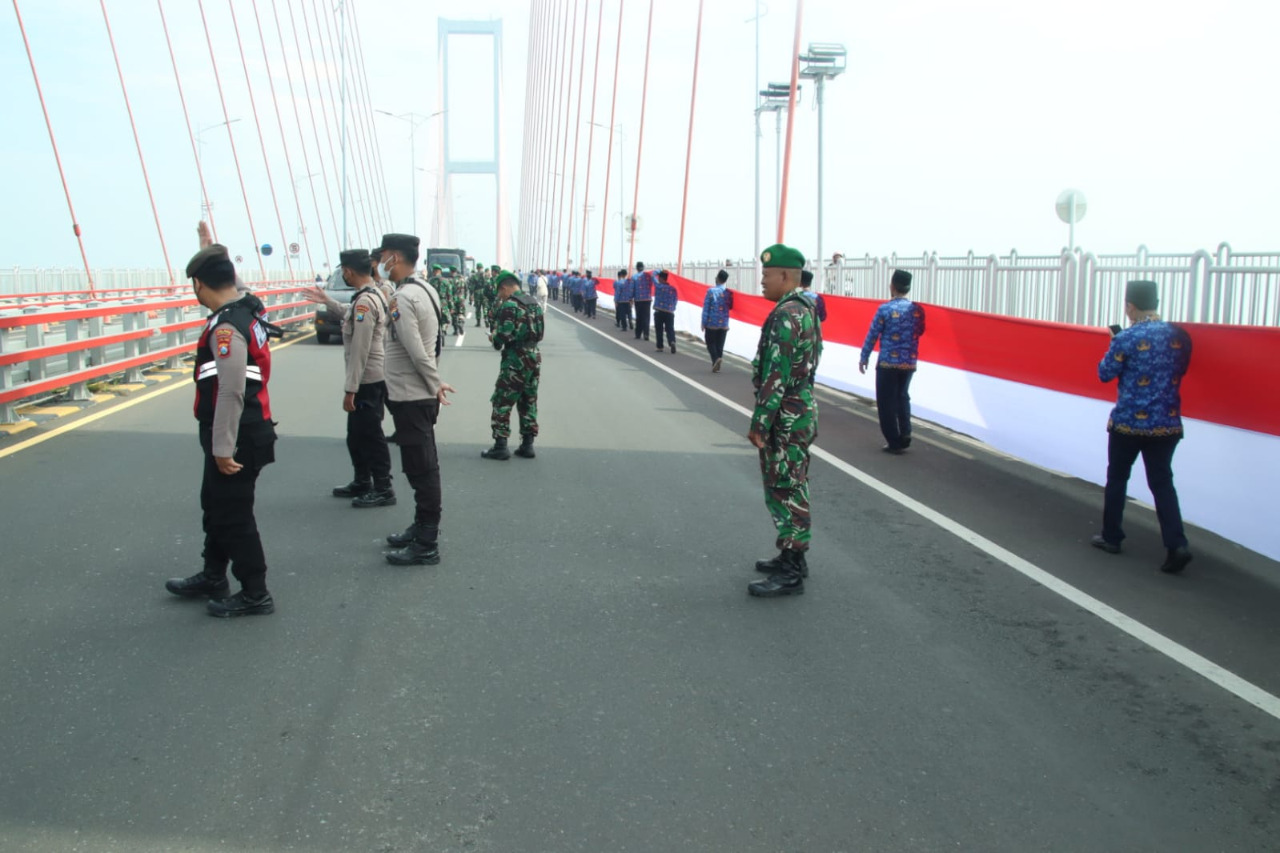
x=665 y=296
x=898 y=325
x=1149 y=358
x=642 y=286
x=716 y=306
x=622 y=290
x=589 y=289
x=819 y=303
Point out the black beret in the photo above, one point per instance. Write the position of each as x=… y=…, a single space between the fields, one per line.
x=1143 y=295
x=399 y=243
x=901 y=281
x=354 y=257
x=209 y=254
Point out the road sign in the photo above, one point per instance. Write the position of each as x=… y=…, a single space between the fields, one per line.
x=1071 y=206
x=266 y=249
x=239 y=259
x=293 y=248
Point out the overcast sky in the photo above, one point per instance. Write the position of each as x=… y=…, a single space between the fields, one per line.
x=954 y=129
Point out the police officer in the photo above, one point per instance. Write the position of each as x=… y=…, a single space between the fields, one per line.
x=237 y=434
x=518 y=327
x=785 y=420
x=364 y=323
x=415 y=394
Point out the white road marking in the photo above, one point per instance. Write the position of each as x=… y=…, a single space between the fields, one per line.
x=1200 y=665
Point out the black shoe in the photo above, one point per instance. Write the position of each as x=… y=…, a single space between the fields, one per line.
x=659 y=349
x=416 y=553
x=905 y=441
x=715 y=366
x=1110 y=547
x=673 y=348
x=498 y=451
x=199 y=586
x=789 y=580
x=375 y=498
x=896 y=451
x=243 y=604
x=354 y=489
x=525 y=450
x=777 y=564
x=399 y=540
x=1176 y=560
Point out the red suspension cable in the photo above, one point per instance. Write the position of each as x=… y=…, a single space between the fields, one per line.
x=559 y=35
x=564 y=159
x=577 y=130
x=644 y=98
x=688 y=153
x=302 y=138
x=378 y=165
x=358 y=123
x=343 y=238
x=146 y=179
x=537 y=170
x=791 y=123
x=315 y=131
x=613 y=113
x=591 y=134
x=262 y=142
x=186 y=117
x=529 y=84
x=257 y=250
x=284 y=143
x=75 y=226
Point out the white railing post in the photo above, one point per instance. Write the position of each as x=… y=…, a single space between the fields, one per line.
x=35 y=338
x=75 y=362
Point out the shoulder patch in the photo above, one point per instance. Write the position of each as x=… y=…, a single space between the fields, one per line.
x=361 y=311
x=222 y=342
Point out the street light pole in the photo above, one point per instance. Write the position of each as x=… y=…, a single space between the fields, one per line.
x=413 y=119
x=755 y=237
x=342 y=55
x=823 y=61
x=204 y=202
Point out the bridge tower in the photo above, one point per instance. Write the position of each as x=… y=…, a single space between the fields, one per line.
x=453 y=163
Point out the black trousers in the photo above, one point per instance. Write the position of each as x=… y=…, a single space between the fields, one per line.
x=894 y=404
x=576 y=299
x=230 y=529
x=623 y=312
x=715 y=343
x=1157 y=458
x=665 y=320
x=642 y=318
x=415 y=422
x=591 y=307
x=370 y=456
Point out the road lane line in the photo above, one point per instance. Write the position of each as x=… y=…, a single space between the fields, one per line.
x=1200 y=665
x=127 y=404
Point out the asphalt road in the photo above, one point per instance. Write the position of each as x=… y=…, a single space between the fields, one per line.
x=584 y=671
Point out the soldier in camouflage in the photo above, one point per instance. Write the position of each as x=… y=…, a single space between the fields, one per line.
x=785 y=421
x=518 y=326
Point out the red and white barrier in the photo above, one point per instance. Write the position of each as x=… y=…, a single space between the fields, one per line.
x=1031 y=389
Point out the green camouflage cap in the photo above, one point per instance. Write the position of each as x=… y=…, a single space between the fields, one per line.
x=782 y=256
x=503 y=275
x=495 y=268
x=436 y=268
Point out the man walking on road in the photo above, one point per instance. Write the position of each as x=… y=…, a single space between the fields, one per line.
x=898 y=325
x=716 y=306
x=1149 y=360
x=415 y=394
x=364 y=322
x=237 y=434
x=785 y=421
x=622 y=293
x=642 y=299
x=518 y=327
x=665 y=300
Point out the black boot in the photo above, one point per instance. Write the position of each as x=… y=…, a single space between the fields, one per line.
x=498 y=451
x=1176 y=560
x=788 y=581
x=422 y=549
x=354 y=489
x=199 y=586
x=243 y=603
x=399 y=540
x=777 y=564
x=380 y=495
x=525 y=449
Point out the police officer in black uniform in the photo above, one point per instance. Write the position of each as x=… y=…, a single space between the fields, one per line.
x=237 y=434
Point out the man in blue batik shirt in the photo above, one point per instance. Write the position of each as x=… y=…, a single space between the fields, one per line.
x=622 y=293
x=589 y=295
x=806 y=290
x=665 y=301
x=642 y=300
x=1149 y=360
x=898 y=325
x=716 y=306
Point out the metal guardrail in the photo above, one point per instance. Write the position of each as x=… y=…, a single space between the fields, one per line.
x=45 y=348
x=51 y=280
x=1075 y=287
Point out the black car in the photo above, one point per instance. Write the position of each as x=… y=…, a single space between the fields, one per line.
x=329 y=324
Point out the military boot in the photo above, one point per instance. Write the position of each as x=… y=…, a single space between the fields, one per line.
x=354 y=489
x=789 y=581
x=399 y=540
x=777 y=564
x=380 y=495
x=243 y=603
x=498 y=451
x=525 y=449
x=422 y=549
x=199 y=586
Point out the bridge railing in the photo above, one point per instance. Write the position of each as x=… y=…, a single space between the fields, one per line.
x=1075 y=287
x=48 y=348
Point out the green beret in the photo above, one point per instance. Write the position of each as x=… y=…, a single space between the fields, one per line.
x=503 y=275
x=436 y=268
x=495 y=268
x=782 y=256
x=210 y=253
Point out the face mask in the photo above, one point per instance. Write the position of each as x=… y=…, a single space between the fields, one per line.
x=384 y=270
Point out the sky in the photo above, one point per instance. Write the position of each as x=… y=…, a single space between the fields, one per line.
x=954 y=128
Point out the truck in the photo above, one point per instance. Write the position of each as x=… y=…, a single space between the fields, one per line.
x=456 y=258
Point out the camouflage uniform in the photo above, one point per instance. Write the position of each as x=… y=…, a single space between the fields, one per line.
x=786 y=413
x=518 y=326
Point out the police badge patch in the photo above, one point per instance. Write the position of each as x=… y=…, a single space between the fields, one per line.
x=222 y=342
x=360 y=312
